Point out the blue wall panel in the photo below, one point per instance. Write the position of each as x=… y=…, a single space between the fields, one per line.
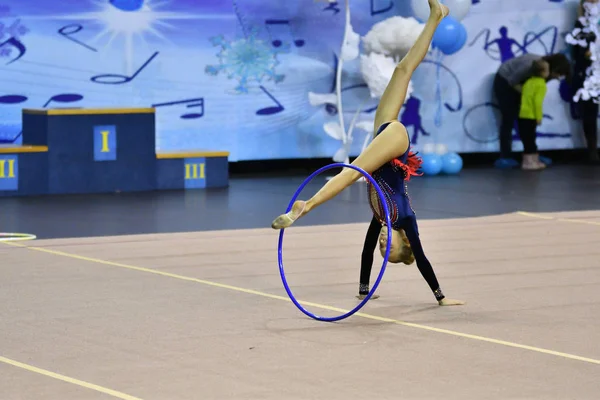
x=188 y=58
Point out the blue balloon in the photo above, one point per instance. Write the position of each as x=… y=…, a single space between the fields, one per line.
x=432 y=164
x=461 y=41
x=450 y=36
x=452 y=163
x=127 y=5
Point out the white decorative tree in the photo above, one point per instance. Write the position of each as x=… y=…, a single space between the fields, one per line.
x=349 y=51
x=580 y=37
x=384 y=45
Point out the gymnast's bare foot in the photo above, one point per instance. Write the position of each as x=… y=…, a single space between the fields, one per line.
x=438 y=10
x=286 y=220
x=450 y=302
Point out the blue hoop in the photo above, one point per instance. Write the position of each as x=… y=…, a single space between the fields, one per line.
x=385 y=257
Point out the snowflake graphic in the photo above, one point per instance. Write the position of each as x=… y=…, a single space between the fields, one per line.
x=13 y=29
x=247 y=60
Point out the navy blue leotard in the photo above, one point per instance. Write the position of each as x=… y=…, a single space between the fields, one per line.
x=392 y=178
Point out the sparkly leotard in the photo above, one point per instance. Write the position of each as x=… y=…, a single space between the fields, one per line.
x=392 y=178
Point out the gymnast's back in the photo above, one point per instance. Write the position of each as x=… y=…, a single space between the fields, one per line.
x=392 y=177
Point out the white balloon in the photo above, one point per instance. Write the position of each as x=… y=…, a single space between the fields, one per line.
x=441 y=149
x=429 y=148
x=458 y=8
x=420 y=9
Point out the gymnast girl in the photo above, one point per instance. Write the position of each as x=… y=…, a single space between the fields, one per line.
x=391 y=163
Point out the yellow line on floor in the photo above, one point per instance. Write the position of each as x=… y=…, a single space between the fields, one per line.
x=546 y=217
x=67 y=379
x=315 y=305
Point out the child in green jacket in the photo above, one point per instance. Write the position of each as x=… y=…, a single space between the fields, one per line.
x=531 y=114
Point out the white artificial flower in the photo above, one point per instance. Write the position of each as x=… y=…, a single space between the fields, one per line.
x=377 y=70
x=591 y=85
x=393 y=36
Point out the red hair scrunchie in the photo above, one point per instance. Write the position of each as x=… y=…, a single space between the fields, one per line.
x=413 y=163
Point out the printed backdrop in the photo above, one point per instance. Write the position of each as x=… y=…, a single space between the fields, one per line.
x=189 y=59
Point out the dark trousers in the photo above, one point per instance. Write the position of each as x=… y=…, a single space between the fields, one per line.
x=527 y=133
x=409 y=225
x=509 y=102
x=589 y=118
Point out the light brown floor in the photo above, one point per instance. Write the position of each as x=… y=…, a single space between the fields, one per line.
x=167 y=317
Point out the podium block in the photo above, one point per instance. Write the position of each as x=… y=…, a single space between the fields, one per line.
x=23 y=170
x=101 y=150
x=95 y=150
x=198 y=169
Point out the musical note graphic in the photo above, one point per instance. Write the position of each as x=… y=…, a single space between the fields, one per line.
x=59 y=98
x=64 y=98
x=12 y=41
x=279 y=22
x=68 y=30
x=272 y=109
x=381 y=10
x=116 y=79
x=198 y=102
x=11 y=99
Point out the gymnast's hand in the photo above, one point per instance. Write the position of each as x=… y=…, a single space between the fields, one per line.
x=450 y=302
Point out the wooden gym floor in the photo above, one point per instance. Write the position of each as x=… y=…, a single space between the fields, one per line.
x=203 y=315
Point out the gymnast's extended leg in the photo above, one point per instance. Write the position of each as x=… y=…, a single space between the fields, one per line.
x=392 y=142
x=395 y=93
